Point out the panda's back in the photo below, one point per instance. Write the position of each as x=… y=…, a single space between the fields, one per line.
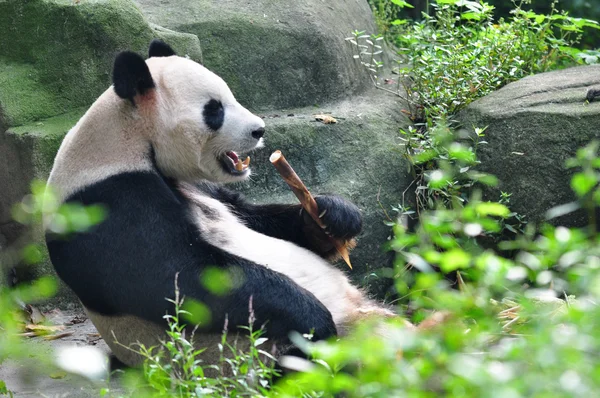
x=124 y=262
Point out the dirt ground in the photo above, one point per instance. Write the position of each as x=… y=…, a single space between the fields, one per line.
x=33 y=377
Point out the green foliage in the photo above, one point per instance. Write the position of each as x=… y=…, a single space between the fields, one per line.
x=4 y=390
x=588 y=56
x=575 y=8
x=367 y=50
x=460 y=53
x=494 y=335
x=63 y=219
x=387 y=14
x=40 y=205
x=444 y=168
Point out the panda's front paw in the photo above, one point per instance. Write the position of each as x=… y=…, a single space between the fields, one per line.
x=341 y=218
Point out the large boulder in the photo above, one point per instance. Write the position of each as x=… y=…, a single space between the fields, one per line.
x=274 y=54
x=533 y=126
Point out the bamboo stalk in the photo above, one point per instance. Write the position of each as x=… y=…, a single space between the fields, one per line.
x=306 y=199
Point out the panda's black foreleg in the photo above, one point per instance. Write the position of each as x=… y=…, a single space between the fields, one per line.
x=291 y=223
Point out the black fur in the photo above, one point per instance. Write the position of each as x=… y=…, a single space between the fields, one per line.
x=592 y=93
x=341 y=217
x=214 y=114
x=131 y=76
x=159 y=48
x=127 y=264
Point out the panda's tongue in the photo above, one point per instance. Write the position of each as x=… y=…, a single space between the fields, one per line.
x=233 y=156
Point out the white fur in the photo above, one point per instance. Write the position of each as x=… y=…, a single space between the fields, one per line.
x=102 y=143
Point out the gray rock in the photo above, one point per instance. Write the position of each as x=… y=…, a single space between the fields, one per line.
x=534 y=126
x=274 y=54
x=57 y=55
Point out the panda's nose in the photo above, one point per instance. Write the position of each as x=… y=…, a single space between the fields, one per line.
x=258 y=133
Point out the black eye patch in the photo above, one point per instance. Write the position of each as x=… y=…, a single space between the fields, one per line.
x=214 y=114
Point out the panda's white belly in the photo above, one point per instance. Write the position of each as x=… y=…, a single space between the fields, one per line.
x=224 y=230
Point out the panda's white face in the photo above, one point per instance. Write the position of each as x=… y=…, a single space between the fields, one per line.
x=203 y=131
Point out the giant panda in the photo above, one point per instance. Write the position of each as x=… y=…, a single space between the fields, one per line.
x=154 y=150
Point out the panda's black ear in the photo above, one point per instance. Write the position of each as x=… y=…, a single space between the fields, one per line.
x=159 y=48
x=131 y=76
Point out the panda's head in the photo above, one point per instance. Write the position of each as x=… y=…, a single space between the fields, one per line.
x=196 y=127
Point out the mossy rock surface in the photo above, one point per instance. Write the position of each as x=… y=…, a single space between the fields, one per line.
x=55 y=59
x=32 y=149
x=274 y=54
x=56 y=55
x=533 y=126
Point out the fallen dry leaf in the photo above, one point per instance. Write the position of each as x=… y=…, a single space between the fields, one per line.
x=27 y=334
x=93 y=338
x=326 y=119
x=57 y=336
x=44 y=328
x=77 y=319
x=58 y=375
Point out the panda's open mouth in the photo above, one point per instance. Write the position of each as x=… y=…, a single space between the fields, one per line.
x=233 y=164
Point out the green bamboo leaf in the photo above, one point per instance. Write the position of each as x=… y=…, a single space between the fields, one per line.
x=582 y=183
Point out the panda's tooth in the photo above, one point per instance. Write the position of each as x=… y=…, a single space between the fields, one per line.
x=246 y=162
x=239 y=165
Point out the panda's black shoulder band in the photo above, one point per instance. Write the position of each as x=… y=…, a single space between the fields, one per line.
x=131 y=76
x=159 y=48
